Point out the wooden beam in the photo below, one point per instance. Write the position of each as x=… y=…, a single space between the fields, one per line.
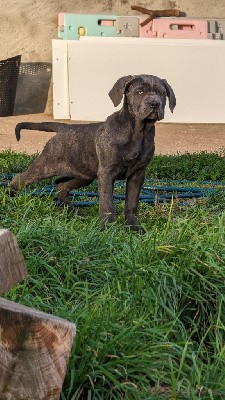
x=34 y=352
x=12 y=265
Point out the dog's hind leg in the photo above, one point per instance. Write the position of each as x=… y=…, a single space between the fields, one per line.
x=37 y=170
x=65 y=184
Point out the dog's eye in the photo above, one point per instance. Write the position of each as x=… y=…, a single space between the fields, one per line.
x=163 y=93
x=140 y=91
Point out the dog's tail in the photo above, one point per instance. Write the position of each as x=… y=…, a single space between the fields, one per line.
x=39 y=126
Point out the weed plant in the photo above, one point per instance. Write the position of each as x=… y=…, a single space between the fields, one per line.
x=149 y=309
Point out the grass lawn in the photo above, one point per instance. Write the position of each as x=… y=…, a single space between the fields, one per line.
x=149 y=309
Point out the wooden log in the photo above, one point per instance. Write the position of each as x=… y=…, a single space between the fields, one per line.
x=12 y=265
x=34 y=352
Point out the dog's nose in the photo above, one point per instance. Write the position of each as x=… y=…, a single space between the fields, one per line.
x=154 y=104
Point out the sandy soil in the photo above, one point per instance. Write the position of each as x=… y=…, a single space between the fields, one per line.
x=170 y=138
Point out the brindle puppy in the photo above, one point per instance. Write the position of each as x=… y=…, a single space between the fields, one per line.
x=119 y=148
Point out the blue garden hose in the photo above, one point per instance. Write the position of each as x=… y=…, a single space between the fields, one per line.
x=154 y=191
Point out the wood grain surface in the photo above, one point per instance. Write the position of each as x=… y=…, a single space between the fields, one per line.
x=34 y=352
x=12 y=265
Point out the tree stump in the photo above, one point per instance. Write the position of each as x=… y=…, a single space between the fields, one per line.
x=34 y=352
x=12 y=265
x=34 y=346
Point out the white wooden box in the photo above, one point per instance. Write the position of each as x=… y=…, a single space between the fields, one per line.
x=85 y=70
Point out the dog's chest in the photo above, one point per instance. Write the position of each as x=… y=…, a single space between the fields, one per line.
x=137 y=149
x=137 y=154
x=132 y=153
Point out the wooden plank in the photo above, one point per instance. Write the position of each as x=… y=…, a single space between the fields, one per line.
x=12 y=265
x=34 y=352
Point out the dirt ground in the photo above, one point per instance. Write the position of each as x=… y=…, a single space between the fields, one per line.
x=170 y=138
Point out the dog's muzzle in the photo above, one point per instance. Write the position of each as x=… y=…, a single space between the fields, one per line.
x=155 y=115
x=155 y=111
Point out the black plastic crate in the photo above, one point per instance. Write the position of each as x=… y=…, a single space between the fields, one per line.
x=9 y=71
x=32 y=88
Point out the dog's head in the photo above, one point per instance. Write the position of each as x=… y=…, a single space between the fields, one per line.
x=145 y=96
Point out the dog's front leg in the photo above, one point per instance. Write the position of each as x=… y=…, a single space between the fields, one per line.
x=133 y=188
x=107 y=210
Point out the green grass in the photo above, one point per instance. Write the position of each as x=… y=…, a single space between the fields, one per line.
x=149 y=309
x=197 y=166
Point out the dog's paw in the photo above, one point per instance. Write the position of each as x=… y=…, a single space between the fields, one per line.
x=137 y=228
x=11 y=191
x=71 y=208
x=133 y=223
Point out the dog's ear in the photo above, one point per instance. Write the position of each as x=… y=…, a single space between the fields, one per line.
x=170 y=94
x=117 y=91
